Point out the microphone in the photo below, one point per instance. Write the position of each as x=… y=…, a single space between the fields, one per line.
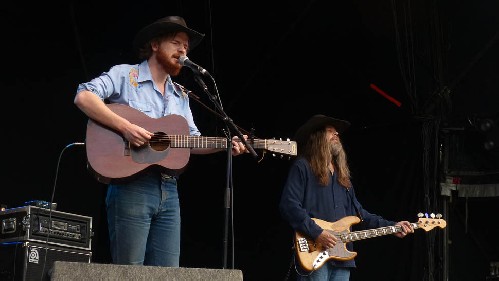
x=184 y=60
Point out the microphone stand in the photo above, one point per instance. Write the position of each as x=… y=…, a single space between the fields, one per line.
x=228 y=194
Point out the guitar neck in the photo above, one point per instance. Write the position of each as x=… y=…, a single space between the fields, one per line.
x=186 y=141
x=370 y=233
x=182 y=141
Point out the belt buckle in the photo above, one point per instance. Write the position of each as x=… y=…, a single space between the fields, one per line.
x=165 y=176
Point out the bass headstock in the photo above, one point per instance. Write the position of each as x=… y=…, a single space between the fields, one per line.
x=428 y=222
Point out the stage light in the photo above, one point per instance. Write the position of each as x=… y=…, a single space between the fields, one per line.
x=488 y=126
x=489 y=144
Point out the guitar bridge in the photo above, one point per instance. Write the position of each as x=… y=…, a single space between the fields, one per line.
x=303 y=245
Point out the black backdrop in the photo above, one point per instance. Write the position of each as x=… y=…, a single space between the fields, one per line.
x=275 y=65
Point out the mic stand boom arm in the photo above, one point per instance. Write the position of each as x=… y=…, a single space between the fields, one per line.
x=225 y=117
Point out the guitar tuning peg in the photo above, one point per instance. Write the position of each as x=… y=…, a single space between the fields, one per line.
x=432 y=215
x=439 y=216
x=426 y=215
x=420 y=215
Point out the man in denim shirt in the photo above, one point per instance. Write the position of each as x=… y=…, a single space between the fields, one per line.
x=318 y=186
x=144 y=212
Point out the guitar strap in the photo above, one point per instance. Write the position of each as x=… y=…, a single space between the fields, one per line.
x=350 y=194
x=355 y=205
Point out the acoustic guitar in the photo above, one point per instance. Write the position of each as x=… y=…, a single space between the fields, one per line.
x=111 y=157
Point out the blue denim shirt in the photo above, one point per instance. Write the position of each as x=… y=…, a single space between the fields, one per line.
x=303 y=198
x=133 y=85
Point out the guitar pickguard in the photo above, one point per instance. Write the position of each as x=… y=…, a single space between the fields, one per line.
x=147 y=155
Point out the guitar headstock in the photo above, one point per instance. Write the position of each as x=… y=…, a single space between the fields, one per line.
x=428 y=222
x=282 y=147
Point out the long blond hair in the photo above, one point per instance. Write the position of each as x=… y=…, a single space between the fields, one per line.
x=319 y=152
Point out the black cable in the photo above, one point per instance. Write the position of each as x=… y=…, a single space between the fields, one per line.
x=51 y=202
x=291 y=263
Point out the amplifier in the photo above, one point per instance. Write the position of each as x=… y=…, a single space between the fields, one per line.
x=30 y=223
x=31 y=261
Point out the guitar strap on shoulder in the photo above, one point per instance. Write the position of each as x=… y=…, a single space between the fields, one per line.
x=355 y=205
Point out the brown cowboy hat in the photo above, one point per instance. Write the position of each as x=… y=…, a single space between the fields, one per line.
x=163 y=26
x=318 y=122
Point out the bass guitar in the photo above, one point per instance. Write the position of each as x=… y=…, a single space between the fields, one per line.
x=312 y=256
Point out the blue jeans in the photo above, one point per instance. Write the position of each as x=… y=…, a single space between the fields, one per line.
x=327 y=272
x=144 y=221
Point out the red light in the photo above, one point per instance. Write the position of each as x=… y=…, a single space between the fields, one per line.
x=396 y=102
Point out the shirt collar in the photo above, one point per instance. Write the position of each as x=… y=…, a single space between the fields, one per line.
x=145 y=75
x=144 y=72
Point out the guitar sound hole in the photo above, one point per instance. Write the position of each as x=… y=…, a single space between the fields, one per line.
x=159 y=141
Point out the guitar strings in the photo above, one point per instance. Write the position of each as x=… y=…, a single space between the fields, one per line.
x=195 y=139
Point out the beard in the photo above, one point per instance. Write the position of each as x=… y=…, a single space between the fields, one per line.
x=336 y=148
x=339 y=155
x=172 y=68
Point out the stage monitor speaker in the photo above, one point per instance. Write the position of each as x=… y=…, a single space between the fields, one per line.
x=75 y=271
x=26 y=261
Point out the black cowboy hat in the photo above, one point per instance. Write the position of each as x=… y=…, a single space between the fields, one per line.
x=163 y=26
x=318 y=122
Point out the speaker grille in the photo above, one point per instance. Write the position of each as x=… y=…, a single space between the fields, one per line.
x=33 y=261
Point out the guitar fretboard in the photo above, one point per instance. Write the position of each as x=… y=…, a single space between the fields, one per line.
x=187 y=141
x=370 y=233
x=181 y=141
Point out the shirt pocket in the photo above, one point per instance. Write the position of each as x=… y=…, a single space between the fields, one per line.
x=141 y=106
